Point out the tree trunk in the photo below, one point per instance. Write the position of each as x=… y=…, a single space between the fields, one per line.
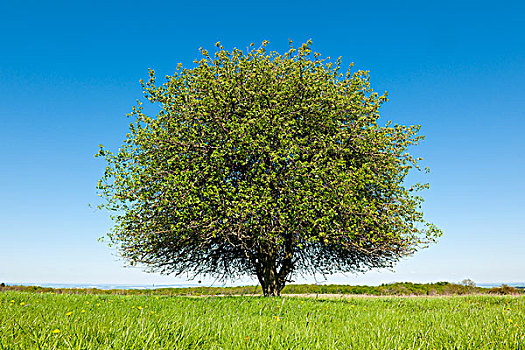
x=270 y=285
x=271 y=289
x=273 y=281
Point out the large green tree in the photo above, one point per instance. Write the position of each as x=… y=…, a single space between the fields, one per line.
x=264 y=164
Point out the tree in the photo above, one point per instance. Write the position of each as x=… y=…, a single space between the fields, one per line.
x=264 y=164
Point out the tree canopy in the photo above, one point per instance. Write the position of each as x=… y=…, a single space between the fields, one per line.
x=264 y=164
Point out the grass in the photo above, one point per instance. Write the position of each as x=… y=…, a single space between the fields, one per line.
x=86 y=321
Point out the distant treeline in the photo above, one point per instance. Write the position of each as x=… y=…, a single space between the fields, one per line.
x=403 y=288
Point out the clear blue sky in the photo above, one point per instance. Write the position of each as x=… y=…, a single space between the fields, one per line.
x=69 y=73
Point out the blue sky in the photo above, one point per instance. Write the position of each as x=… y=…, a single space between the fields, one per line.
x=69 y=73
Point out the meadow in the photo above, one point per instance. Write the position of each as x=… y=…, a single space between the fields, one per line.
x=97 y=321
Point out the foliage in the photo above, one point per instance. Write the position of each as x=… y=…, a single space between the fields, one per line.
x=264 y=164
x=505 y=290
x=46 y=321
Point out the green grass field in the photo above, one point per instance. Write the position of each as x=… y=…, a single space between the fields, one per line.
x=69 y=321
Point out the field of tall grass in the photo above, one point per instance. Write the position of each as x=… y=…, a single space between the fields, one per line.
x=87 y=321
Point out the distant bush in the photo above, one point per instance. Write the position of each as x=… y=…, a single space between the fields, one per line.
x=395 y=289
x=504 y=290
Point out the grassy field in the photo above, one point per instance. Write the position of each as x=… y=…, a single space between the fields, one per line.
x=83 y=321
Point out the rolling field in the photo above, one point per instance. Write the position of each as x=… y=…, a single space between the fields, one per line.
x=83 y=321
